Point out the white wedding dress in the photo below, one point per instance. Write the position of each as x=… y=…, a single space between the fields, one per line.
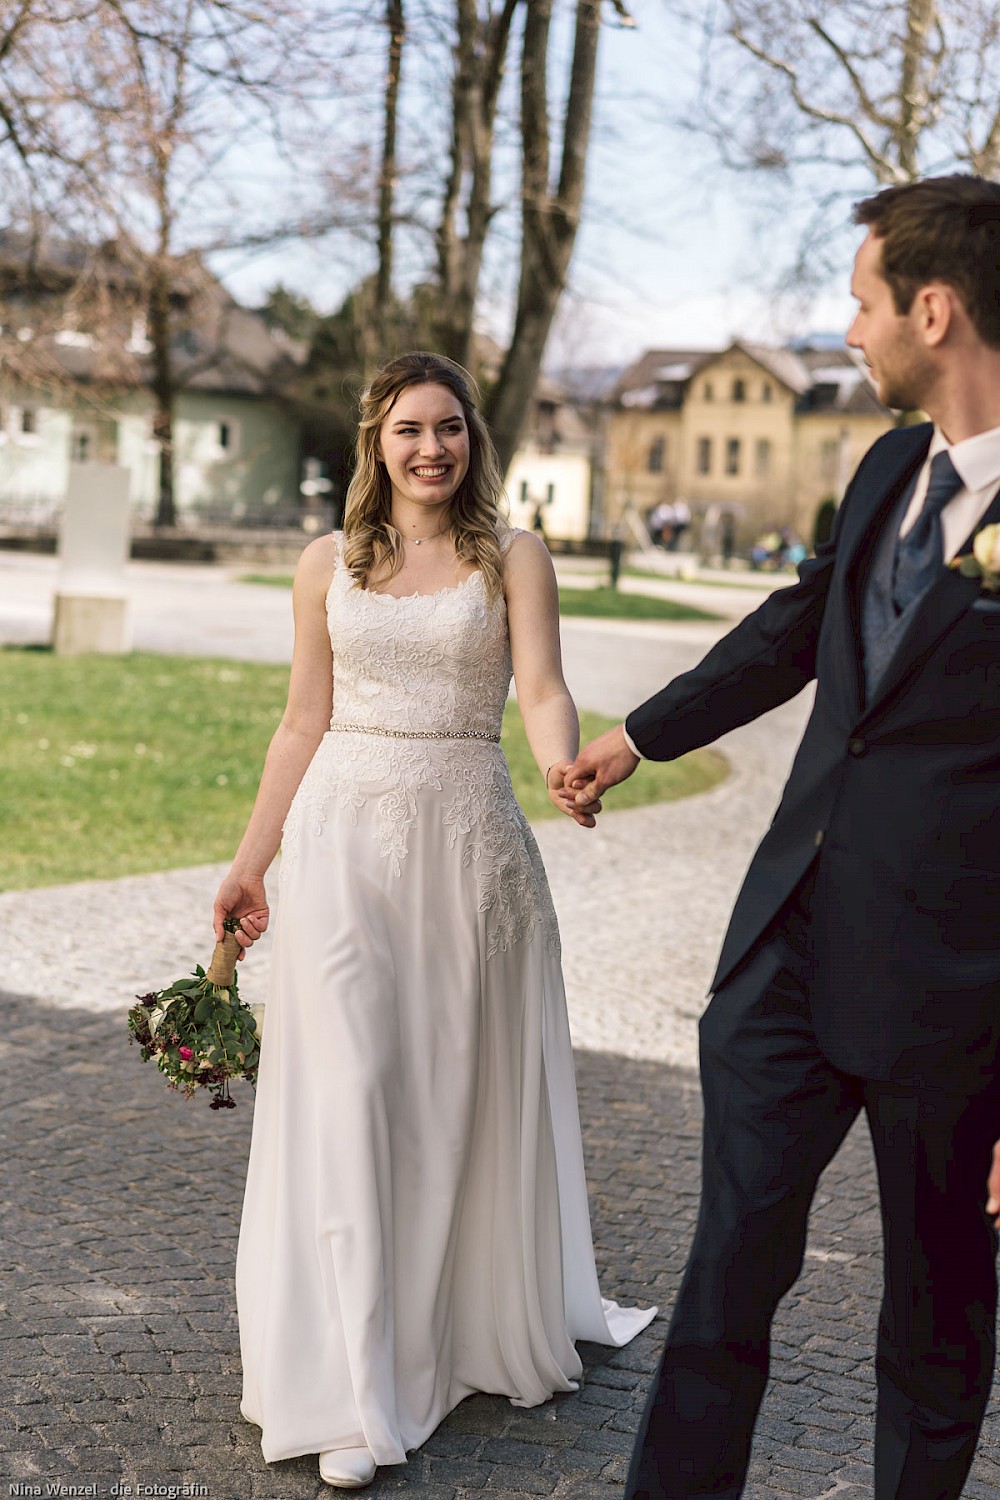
x=416 y=1224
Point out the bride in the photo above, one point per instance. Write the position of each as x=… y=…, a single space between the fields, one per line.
x=415 y=1225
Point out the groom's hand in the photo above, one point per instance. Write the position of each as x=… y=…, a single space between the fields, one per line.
x=993 y=1188
x=604 y=762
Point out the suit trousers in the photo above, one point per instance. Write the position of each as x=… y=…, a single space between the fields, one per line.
x=775 y=1112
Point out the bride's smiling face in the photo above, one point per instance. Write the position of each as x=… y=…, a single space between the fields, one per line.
x=424 y=444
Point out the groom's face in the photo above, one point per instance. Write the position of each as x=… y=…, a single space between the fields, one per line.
x=888 y=339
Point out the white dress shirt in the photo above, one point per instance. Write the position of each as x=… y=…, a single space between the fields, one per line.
x=977 y=463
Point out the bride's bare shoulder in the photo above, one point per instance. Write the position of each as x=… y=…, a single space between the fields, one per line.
x=317 y=562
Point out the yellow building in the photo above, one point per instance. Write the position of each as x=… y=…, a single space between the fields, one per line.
x=757 y=434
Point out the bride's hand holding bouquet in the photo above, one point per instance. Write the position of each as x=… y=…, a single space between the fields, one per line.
x=242 y=900
x=198 y=1029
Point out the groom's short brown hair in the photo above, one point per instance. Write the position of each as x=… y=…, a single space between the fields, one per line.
x=942 y=229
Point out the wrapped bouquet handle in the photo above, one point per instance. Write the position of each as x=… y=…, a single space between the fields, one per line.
x=199 y=1030
x=222 y=965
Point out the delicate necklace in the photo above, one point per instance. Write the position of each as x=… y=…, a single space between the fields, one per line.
x=416 y=540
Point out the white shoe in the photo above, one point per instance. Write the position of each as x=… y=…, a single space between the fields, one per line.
x=347 y=1468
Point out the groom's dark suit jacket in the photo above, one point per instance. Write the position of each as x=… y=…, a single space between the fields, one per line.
x=895 y=800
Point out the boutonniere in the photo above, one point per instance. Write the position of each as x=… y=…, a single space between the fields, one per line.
x=983 y=562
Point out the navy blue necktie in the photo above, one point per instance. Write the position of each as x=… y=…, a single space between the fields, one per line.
x=920 y=553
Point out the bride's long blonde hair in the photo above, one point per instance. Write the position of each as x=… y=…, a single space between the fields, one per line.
x=371 y=542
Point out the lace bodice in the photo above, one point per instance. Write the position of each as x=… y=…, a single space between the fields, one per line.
x=409 y=672
x=424 y=662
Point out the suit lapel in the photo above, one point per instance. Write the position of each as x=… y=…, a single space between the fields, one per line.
x=860 y=558
x=944 y=602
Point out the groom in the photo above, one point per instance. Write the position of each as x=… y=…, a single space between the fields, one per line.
x=861 y=968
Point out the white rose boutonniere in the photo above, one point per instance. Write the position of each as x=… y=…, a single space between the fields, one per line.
x=983 y=562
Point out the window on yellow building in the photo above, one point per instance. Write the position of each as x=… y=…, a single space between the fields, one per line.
x=657 y=455
x=762 y=458
x=703 y=456
x=732 y=455
x=766 y=392
x=707 y=391
x=739 y=390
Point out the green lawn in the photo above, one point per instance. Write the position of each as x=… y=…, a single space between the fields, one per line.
x=600 y=603
x=125 y=765
x=610 y=604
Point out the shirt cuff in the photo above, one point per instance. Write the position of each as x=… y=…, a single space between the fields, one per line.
x=630 y=742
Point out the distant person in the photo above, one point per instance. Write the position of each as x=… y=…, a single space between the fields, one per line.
x=661 y=524
x=766 y=550
x=728 y=537
x=538 y=521
x=681 y=522
x=861 y=969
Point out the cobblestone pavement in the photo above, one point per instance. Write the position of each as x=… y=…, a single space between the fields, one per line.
x=119 y=1356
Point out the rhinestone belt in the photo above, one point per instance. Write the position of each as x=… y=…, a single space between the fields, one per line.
x=417 y=734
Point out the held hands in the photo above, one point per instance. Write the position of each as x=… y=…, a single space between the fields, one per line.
x=993 y=1188
x=563 y=795
x=575 y=787
x=604 y=762
x=243 y=898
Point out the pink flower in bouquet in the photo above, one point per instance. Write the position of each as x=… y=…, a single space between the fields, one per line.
x=186 y=1053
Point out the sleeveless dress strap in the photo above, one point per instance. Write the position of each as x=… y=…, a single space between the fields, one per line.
x=506 y=537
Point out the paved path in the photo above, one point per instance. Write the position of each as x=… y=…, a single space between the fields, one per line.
x=119 y=1353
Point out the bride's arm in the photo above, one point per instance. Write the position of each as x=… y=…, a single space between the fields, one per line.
x=548 y=711
x=303 y=724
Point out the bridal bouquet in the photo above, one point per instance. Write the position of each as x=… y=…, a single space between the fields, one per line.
x=199 y=1030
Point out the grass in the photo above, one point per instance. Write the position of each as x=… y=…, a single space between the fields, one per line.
x=609 y=604
x=599 y=603
x=126 y=765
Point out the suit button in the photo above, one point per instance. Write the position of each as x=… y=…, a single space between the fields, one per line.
x=819 y=837
x=857 y=746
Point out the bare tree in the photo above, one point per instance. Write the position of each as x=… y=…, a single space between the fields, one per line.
x=898 y=89
x=475 y=39
x=481 y=44
x=550 y=210
x=156 y=92
x=395 y=22
x=154 y=97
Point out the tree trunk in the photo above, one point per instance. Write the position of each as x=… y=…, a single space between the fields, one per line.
x=920 y=16
x=163 y=389
x=549 y=220
x=480 y=56
x=395 y=24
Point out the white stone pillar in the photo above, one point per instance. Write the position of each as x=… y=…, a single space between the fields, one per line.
x=91 y=603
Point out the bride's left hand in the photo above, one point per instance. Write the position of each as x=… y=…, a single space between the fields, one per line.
x=563 y=795
x=244 y=899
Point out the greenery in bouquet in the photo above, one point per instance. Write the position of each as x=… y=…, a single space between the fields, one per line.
x=199 y=1030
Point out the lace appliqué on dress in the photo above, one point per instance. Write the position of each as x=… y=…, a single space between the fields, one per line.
x=427 y=663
